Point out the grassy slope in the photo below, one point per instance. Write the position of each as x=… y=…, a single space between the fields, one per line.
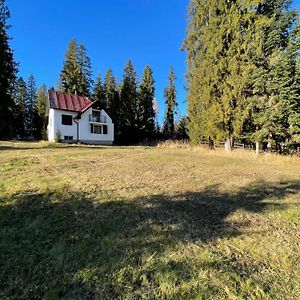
x=131 y=223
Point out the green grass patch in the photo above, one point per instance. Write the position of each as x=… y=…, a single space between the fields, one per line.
x=146 y=223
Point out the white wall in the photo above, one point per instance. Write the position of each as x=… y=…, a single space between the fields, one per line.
x=85 y=135
x=85 y=128
x=55 y=124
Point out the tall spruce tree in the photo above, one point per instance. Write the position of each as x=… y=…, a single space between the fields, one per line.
x=20 y=108
x=75 y=77
x=146 y=112
x=181 y=129
x=128 y=116
x=274 y=84
x=112 y=101
x=70 y=75
x=8 y=70
x=40 y=112
x=99 y=92
x=171 y=105
x=294 y=104
x=85 y=70
x=30 y=109
x=221 y=38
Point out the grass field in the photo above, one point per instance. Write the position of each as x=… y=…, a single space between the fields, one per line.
x=147 y=223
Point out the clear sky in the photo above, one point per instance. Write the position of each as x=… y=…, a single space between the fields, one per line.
x=145 y=31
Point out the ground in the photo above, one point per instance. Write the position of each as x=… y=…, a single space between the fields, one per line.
x=80 y=222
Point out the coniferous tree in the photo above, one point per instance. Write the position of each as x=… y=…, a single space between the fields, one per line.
x=75 y=77
x=274 y=84
x=41 y=100
x=70 y=74
x=128 y=116
x=241 y=70
x=146 y=112
x=40 y=112
x=157 y=125
x=111 y=96
x=30 y=109
x=112 y=101
x=182 y=129
x=99 y=92
x=222 y=37
x=8 y=71
x=85 y=70
x=171 y=103
x=294 y=104
x=20 y=108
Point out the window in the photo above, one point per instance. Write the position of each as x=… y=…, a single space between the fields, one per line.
x=99 y=129
x=104 y=129
x=67 y=120
x=96 y=129
x=68 y=138
x=96 y=114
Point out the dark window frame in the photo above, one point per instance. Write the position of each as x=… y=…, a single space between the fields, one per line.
x=92 y=129
x=105 y=129
x=96 y=113
x=67 y=120
x=68 y=138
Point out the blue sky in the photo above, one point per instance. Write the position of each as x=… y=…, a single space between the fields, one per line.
x=145 y=31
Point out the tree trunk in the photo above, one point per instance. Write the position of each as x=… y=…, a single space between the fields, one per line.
x=211 y=144
x=257 y=148
x=229 y=144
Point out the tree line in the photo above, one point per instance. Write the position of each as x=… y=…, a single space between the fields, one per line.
x=29 y=109
x=130 y=103
x=244 y=73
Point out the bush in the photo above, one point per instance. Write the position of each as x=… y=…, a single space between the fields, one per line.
x=44 y=134
x=58 y=137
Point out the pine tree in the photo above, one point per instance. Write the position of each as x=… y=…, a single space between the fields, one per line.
x=182 y=129
x=99 y=91
x=75 y=77
x=85 y=70
x=40 y=112
x=111 y=97
x=157 y=130
x=201 y=67
x=294 y=104
x=8 y=71
x=70 y=74
x=171 y=103
x=30 y=109
x=20 y=107
x=146 y=112
x=112 y=101
x=274 y=85
x=41 y=101
x=223 y=40
x=128 y=116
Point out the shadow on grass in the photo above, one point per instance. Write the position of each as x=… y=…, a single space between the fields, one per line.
x=62 y=244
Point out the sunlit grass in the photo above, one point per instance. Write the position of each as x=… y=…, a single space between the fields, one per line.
x=80 y=222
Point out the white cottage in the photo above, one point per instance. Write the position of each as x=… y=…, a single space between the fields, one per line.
x=78 y=119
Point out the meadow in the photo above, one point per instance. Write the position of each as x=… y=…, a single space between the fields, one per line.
x=85 y=222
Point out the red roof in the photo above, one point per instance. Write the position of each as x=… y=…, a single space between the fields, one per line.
x=65 y=101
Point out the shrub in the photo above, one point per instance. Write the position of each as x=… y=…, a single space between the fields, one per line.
x=58 y=137
x=44 y=134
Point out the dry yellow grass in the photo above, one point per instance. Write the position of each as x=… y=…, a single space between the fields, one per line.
x=82 y=222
